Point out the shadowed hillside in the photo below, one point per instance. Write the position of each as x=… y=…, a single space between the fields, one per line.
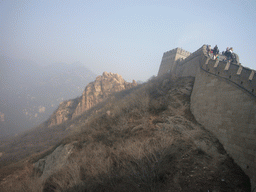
x=141 y=139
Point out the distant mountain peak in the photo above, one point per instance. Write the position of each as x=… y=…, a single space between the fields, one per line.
x=94 y=93
x=37 y=91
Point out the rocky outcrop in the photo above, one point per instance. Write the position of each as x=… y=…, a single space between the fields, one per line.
x=100 y=89
x=163 y=149
x=148 y=138
x=64 y=112
x=94 y=93
x=53 y=162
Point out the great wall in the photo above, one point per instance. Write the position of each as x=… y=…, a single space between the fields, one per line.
x=223 y=100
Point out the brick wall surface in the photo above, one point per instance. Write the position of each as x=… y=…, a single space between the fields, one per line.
x=223 y=100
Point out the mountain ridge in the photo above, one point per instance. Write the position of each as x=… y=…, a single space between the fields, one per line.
x=141 y=139
x=95 y=92
x=30 y=93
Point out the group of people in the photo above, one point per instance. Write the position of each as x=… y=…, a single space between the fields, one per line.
x=228 y=54
x=214 y=53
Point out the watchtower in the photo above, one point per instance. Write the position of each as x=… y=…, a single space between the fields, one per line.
x=170 y=58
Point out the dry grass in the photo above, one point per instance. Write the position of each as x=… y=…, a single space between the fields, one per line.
x=144 y=139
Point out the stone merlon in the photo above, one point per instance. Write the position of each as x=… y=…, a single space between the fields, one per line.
x=223 y=100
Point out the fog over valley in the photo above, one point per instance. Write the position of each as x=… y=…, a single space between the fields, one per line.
x=47 y=48
x=131 y=96
x=30 y=93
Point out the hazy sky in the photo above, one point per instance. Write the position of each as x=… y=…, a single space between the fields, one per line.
x=124 y=37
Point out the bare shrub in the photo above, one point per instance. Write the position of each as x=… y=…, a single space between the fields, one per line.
x=65 y=179
x=24 y=183
x=140 y=140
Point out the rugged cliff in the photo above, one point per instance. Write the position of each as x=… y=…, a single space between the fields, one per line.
x=94 y=93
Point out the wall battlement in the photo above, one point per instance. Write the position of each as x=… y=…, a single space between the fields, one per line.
x=176 y=50
x=170 y=58
x=223 y=100
x=243 y=77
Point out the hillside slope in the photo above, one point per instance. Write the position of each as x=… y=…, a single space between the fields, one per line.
x=64 y=121
x=141 y=139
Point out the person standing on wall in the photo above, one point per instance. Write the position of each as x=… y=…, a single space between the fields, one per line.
x=227 y=54
x=215 y=52
x=231 y=55
x=209 y=49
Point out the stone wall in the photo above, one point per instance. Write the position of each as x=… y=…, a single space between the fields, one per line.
x=223 y=100
x=230 y=113
x=242 y=77
x=170 y=59
x=189 y=65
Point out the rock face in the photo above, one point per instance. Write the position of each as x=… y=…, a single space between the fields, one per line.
x=53 y=162
x=165 y=142
x=64 y=112
x=94 y=93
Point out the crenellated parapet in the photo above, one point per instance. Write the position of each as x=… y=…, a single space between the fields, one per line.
x=176 y=50
x=189 y=65
x=223 y=100
x=242 y=77
x=170 y=58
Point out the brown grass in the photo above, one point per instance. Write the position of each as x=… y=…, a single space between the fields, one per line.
x=149 y=141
